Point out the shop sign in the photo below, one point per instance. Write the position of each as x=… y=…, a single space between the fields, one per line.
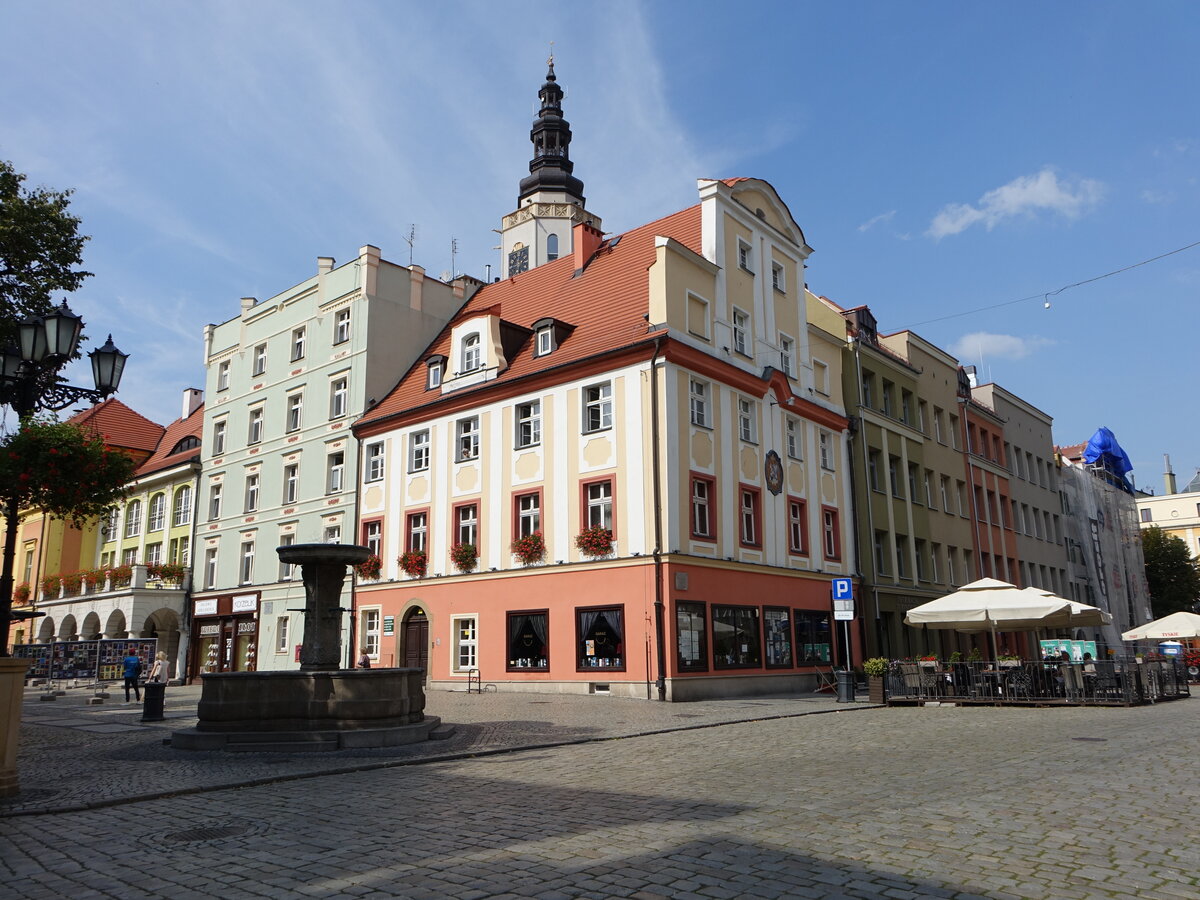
x=389 y=624
x=206 y=607
x=245 y=603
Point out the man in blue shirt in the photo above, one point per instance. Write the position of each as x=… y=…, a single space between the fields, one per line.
x=133 y=668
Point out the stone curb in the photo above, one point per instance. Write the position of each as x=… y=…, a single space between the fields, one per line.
x=424 y=760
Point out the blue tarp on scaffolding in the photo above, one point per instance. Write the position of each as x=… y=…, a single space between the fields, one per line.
x=1103 y=450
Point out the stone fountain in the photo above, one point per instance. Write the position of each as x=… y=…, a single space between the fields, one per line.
x=322 y=706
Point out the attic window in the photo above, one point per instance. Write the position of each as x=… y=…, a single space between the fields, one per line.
x=191 y=442
x=545 y=341
x=548 y=335
x=433 y=372
x=472 y=353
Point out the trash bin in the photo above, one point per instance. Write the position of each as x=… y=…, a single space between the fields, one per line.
x=845 y=686
x=153 y=695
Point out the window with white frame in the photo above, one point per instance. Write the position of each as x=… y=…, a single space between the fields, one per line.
x=210 y=568
x=373 y=537
x=370 y=632
x=218 y=439
x=472 y=353
x=298 y=337
x=787 y=355
x=260 y=359
x=418 y=450
x=433 y=373
x=341 y=326
x=741 y=332
x=180 y=549
x=744 y=255
x=281 y=634
x=295 y=411
x=158 y=513
x=338 y=394
x=467 y=438
x=133 y=519
x=335 y=472
x=466 y=643
x=291 y=482
x=748 y=504
x=747 y=420
x=332 y=534
x=795 y=437
x=825 y=442
x=287 y=571
x=702 y=523
x=223 y=375
x=529 y=424
x=600 y=504
x=214 y=502
x=183 y=505
x=466 y=525
x=129 y=556
x=699 y=402
x=418 y=531
x=112 y=524
x=154 y=554
x=797 y=526
x=597 y=409
x=777 y=278
x=545 y=341
x=375 y=461
x=246 y=572
x=255 y=433
x=529 y=514
x=251 y=493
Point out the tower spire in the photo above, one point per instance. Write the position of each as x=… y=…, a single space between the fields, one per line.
x=551 y=167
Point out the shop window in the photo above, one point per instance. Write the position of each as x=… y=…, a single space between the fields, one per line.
x=735 y=637
x=777 y=632
x=527 y=641
x=466 y=643
x=691 y=639
x=600 y=636
x=812 y=637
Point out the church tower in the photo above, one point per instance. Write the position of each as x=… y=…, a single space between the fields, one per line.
x=550 y=202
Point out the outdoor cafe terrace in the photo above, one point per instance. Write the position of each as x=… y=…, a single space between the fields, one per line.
x=1111 y=682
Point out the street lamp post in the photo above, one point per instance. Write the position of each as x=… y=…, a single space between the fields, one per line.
x=30 y=382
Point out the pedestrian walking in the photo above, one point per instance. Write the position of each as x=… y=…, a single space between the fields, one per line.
x=133 y=669
x=158 y=671
x=364 y=661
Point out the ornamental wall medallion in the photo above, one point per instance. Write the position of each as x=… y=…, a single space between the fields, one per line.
x=774 y=472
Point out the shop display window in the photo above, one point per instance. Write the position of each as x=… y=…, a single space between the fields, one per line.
x=600 y=638
x=735 y=637
x=812 y=637
x=777 y=632
x=691 y=637
x=528 y=646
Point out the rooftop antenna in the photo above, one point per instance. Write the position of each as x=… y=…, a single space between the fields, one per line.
x=410 y=239
x=453 y=254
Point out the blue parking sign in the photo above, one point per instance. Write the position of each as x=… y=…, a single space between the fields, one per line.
x=843 y=588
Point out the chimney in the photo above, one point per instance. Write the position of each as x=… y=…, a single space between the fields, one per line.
x=324 y=265
x=585 y=241
x=368 y=259
x=416 y=291
x=1169 y=476
x=248 y=303
x=192 y=398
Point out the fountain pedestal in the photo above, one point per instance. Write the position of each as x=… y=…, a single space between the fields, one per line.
x=322 y=706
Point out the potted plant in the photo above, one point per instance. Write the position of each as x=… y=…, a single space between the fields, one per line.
x=72 y=583
x=1008 y=660
x=166 y=572
x=465 y=557
x=928 y=661
x=414 y=563
x=876 y=668
x=120 y=576
x=529 y=549
x=595 y=541
x=50 y=586
x=369 y=567
x=21 y=593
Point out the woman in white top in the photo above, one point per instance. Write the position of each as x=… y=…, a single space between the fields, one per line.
x=158 y=672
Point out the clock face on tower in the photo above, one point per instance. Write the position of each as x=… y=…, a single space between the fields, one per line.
x=518 y=261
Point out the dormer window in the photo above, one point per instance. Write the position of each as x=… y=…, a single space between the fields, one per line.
x=545 y=341
x=472 y=353
x=548 y=335
x=433 y=372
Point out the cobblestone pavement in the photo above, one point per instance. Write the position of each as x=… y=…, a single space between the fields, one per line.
x=76 y=756
x=881 y=803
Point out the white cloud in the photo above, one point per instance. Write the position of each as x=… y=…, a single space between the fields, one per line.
x=878 y=220
x=1023 y=196
x=1157 y=197
x=983 y=346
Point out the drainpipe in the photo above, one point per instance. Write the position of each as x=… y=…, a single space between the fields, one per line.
x=661 y=682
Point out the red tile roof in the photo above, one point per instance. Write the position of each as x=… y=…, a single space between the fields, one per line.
x=607 y=304
x=1074 y=451
x=120 y=426
x=163 y=458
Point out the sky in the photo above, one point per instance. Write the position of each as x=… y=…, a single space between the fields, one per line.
x=952 y=165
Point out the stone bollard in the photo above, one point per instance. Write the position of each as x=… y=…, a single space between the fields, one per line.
x=154 y=695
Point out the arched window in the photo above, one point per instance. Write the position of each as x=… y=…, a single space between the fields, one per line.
x=183 y=505
x=158 y=506
x=552 y=248
x=471 y=353
x=133 y=519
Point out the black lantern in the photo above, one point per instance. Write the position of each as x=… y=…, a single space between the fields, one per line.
x=10 y=362
x=62 y=332
x=107 y=365
x=32 y=334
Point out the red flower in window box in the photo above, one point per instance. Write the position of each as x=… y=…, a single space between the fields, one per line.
x=371 y=566
x=530 y=549
x=414 y=563
x=465 y=557
x=595 y=541
x=21 y=593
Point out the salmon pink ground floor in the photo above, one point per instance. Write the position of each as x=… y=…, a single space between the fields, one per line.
x=599 y=628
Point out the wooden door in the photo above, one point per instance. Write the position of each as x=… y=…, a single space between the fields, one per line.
x=416 y=641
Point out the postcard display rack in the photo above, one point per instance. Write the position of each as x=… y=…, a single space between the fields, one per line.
x=97 y=661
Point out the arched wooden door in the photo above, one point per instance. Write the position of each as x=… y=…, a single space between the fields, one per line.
x=416 y=640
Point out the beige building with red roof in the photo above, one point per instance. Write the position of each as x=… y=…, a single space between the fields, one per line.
x=621 y=471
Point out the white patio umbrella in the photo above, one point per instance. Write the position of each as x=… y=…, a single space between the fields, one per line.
x=1176 y=625
x=1082 y=615
x=990 y=605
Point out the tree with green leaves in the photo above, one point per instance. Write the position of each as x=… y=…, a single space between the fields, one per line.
x=1172 y=574
x=41 y=249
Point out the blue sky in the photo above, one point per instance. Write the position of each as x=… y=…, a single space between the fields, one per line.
x=942 y=158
